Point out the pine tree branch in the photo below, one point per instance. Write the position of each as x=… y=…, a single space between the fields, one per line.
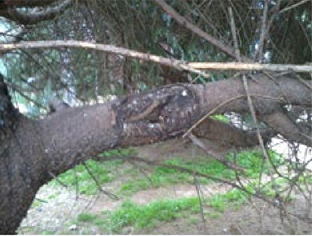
x=194 y=67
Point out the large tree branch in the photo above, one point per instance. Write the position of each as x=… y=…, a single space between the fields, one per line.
x=228 y=135
x=72 y=135
x=35 y=16
x=38 y=150
x=28 y=3
x=282 y=124
x=267 y=102
x=194 y=67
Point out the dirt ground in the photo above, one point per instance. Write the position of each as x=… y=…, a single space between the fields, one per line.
x=255 y=217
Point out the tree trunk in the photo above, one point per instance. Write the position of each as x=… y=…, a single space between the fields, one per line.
x=21 y=173
x=32 y=151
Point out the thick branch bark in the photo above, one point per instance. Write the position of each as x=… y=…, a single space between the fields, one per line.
x=36 y=17
x=35 y=151
x=8 y=9
x=228 y=135
x=28 y=3
x=285 y=126
x=158 y=115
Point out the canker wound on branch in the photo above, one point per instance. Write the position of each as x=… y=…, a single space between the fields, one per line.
x=160 y=113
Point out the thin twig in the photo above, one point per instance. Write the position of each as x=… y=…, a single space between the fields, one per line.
x=210 y=113
x=218 y=157
x=246 y=88
x=76 y=184
x=185 y=23
x=233 y=29
x=263 y=32
x=141 y=169
x=194 y=67
x=110 y=195
x=306 y=68
x=200 y=199
x=193 y=172
x=57 y=179
x=294 y=6
x=16 y=89
x=170 y=62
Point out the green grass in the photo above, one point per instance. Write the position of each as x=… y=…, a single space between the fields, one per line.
x=150 y=215
x=84 y=217
x=162 y=176
x=117 y=152
x=92 y=219
x=104 y=172
x=305 y=178
x=147 y=216
x=80 y=178
x=160 y=211
x=221 y=201
x=251 y=161
x=222 y=118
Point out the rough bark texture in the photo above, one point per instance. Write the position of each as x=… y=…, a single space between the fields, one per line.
x=228 y=135
x=52 y=8
x=32 y=151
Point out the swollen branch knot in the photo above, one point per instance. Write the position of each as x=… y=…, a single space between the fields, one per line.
x=160 y=113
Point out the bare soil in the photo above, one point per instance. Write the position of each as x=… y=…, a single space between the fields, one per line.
x=58 y=214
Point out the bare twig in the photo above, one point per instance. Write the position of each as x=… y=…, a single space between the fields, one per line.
x=180 y=168
x=177 y=64
x=250 y=66
x=200 y=199
x=238 y=185
x=57 y=179
x=185 y=23
x=142 y=170
x=276 y=12
x=19 y=90
x=253 y=115
x=233 y=29
x=110 y=195
x=210 y=113
x=249 y=100
x=294 y=6
x=194 y=67
x=218 y=157
x=263 y=31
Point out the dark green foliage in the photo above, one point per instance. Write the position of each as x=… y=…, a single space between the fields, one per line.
x=143 y=26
